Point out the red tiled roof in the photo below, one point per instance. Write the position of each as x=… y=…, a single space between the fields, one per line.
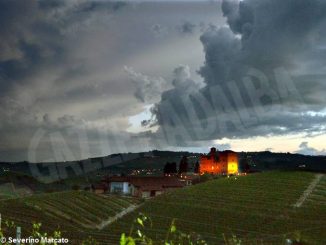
x=151 y=182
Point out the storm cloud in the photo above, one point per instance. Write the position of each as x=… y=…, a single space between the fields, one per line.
x=104 y=76
x=62 y=71
x=263 y=74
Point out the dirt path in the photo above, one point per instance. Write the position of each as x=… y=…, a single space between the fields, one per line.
x=309 y=190
x=117 y=216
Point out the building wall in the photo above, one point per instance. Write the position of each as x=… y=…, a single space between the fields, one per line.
x=125 y=188
x=158 y=193
x=219 y=163
x=145 y=194
x=233 y=163
x=120 y=187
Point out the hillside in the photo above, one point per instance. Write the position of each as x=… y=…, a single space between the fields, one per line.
x=76 y=214
x=258 y=207
x=154 y=161
x=94 y=168
x=264 y=161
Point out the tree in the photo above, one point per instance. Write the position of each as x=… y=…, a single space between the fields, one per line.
x=174 y=168
x=247 y=167
x=170 y=168
x=183 y=166
x=167 y=168
x=197 y=168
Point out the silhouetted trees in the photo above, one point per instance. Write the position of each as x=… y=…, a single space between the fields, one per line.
x=247 y=167
x=183 y=165
x=166 y=168
x=170 y=168
x=196 y=168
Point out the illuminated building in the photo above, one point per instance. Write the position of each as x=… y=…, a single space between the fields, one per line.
x=225 y=162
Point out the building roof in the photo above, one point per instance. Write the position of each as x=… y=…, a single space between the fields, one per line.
x=148 y=182
x=216 y=154
x=99 y=186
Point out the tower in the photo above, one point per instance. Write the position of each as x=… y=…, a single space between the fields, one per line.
x=215 y=162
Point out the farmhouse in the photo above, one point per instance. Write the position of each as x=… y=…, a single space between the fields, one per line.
x=144 y=187
x=100 y=188
x=225 y=162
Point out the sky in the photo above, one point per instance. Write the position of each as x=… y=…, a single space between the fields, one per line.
x=87 y=78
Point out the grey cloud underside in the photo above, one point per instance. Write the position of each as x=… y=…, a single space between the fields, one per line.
x=61 y=68
x=35 y=40
x=263 y=75
x=36 y=35
x=187 y=27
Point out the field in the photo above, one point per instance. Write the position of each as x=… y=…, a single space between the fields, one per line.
x=76 y=214
x=257 y=208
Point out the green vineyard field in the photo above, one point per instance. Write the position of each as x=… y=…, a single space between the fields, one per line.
x=257 y=208
x=75 y=213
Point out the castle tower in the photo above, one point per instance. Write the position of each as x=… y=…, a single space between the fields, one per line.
x=215 y=162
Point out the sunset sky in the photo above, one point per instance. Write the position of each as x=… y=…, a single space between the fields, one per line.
x=85 y=78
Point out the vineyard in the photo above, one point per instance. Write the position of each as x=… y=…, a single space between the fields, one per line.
x=76 y=214
x=257 y=208
x=318 y=195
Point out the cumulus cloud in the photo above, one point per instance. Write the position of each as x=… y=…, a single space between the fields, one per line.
x=258 y=75
x=61 y=70
x=61 y=67
x=36 y=35
x=38 y=71
x=148 y=89
x=305 y=149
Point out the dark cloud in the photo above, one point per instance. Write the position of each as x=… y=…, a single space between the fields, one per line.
x=29 y=42
x=256 y=76
x=61 y=68
x=13 y=18
x=187 y=28
x=36 y=68
x=51 y=4
x=36 y=33
x=88 y=6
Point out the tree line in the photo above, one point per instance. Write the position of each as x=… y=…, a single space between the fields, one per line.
x=171 y=167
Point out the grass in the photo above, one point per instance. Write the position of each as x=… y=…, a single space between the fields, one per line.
x=74 y=213
x=257 y=208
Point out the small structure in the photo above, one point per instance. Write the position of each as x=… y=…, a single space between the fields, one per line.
x=100 y=188
x=189 y=178
x=225 y=162
x=142 y=186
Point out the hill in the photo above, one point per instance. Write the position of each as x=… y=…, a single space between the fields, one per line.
x=76 y=214
x=257 y=208
x=94 y=168
x=262 y=161
x=88 y=170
